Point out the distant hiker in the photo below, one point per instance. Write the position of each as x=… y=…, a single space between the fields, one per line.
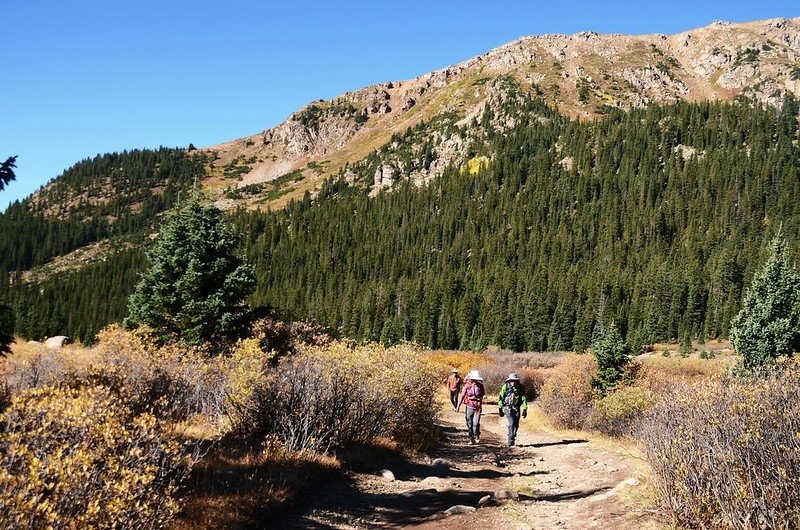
x=512 y=403
x=454 y=383
x=472 y=397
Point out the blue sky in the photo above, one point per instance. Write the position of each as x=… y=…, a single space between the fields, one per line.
x=87 y=77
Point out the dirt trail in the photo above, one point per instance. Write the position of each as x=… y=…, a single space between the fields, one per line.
x=557 y=482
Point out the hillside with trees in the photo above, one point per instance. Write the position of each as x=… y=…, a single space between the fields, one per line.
x=655 y=219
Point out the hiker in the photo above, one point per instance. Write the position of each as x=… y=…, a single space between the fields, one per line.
x=454 y=383
x=472 y=397
x=512 y=403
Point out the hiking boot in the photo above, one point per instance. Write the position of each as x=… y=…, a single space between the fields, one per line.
x=511 y=443
x=477 y=439
x=472 y=441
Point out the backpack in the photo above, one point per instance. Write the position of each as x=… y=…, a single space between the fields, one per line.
x=475 y=393
x=512 y=397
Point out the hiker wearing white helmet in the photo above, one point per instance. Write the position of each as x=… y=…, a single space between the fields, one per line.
x=454 y=383
x=512 y=404
x=472 y=397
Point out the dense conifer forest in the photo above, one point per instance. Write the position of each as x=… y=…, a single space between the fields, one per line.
x=654 y=219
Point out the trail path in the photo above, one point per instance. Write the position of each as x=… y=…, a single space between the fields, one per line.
x=554 y=483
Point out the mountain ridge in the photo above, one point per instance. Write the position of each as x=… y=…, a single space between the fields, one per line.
x=582 y=75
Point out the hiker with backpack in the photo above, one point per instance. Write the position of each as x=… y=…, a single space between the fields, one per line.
x=512 y=404
x=472 y=397
x=454 y=383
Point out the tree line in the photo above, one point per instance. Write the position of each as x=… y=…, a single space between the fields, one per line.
x=655 y=219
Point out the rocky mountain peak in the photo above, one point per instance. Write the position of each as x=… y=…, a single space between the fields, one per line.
x=583 y=75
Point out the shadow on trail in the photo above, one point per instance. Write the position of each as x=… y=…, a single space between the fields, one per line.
x=569 y=496
x=549 y=444
x=380 y=510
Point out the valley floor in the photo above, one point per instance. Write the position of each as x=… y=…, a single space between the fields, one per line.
x=554 y=480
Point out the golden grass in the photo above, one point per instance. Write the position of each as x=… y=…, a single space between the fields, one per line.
x=464 y=361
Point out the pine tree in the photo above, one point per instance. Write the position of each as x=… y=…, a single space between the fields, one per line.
x=194 y=287
x=612 y=354
x=6 y=329
x=768 y=325
x=7 y=171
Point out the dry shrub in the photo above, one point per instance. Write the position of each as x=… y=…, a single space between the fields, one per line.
x=35 y=365
x=182 y=382
x=338 y=395
x=567 y=394
x=619 y=412
x=81 y=459
x=727 y=453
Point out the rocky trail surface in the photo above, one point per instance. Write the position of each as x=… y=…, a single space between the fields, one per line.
x=546 y=481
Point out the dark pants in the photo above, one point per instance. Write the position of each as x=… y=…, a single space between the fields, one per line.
x=473 y=419
x=512 y=417
x=454 y=398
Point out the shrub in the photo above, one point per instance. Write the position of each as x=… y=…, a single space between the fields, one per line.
x=181 y=381
x=335 y=396
x=618 y=413
x=567 y=395
x=81 y=459
x=34 y=366
x=727 y=453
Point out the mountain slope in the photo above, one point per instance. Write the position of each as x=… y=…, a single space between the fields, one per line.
x=583 y=75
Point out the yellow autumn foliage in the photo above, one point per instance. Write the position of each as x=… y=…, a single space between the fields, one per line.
x=79 y=458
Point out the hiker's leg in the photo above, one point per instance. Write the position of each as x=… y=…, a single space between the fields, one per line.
x=513 y=426
x=477 y=424
x=453 y=397
x=509 y=413
x=468 y=415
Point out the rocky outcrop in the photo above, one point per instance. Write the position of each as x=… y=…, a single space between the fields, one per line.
x=581 y=74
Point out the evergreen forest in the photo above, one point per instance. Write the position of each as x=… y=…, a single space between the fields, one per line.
x=654 y=219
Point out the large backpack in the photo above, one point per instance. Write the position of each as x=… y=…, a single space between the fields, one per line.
x=512 y=397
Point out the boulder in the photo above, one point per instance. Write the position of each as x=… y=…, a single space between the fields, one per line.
x=55 y=343
x=387 y=474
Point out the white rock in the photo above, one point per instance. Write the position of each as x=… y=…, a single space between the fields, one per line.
x=387 y=474
x=459 y=509
x=55 y=343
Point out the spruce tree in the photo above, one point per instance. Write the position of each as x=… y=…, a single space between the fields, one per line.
x=194 y=286
x=6 y=329
x=768 y=325
x=612 y=354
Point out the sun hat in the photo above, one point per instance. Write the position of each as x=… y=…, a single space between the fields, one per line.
x=455 y=370
x=475 y=376
x=513 y=376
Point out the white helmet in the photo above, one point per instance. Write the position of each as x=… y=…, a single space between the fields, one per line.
x=474 y=375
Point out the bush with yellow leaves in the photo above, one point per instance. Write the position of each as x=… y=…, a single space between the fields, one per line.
x=336 y=395
x=566 y=396
x=727 y=453
x=74 y=458
x=619 y=412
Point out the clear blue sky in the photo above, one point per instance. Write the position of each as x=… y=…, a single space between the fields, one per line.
x=87 y=77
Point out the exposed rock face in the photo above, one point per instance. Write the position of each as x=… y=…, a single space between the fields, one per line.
x=580 y=74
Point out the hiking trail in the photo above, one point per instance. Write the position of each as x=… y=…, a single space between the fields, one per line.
x=546 y=481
